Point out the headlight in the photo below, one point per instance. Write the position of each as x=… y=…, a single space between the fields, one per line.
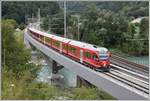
x=104 y=64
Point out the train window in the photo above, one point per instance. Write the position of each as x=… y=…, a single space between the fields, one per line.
x=64 y=47
x=95 y=57
x=87 y=54
x=47 y=39
x=72 y=49
x=42 y=38
x=56 y=43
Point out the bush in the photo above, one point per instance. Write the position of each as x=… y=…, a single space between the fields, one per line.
x=85 y=93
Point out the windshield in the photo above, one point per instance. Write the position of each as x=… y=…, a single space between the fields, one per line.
x=103 y=56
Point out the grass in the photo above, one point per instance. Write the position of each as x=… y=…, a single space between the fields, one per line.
x=89 y=93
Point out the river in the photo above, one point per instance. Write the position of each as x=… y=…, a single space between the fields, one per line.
x=144 y=60
x=45 y=73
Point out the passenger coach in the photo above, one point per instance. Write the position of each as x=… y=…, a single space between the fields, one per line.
x=97 y=58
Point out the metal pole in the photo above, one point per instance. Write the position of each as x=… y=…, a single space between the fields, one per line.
x=39 y=18
x=4 y=56
x=25 y=19
x=78 y=28
x=32 y=21
x=32 y=17
x=65 y=18
x=49 y=24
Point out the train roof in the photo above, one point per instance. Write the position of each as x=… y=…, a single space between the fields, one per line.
x=88 y=46
x=73 y=42
x=41 y=33
x=65 y=40
x=61 y=39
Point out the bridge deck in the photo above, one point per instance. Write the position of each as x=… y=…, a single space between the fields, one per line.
x=116 y=89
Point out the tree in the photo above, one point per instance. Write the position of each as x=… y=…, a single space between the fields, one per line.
x=131 y=31
x=15 y=54
x=18 y=10
x=144 y=32
x=108 y=26
x=144 y=25
x=45 y=23
x=92 y=38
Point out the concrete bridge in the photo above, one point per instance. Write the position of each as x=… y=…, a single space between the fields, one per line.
x=100 y=80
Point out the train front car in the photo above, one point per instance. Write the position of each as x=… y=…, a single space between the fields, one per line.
x=104 y=59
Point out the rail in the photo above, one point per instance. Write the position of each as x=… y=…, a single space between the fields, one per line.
x=129 y=65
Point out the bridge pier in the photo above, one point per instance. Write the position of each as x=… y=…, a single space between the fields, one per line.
x=32 y=47
x=82 y=82
x=55 y=78
x=56 y=67
x=53 y=64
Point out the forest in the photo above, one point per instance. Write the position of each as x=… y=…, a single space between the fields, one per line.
x=109 y=24
x=105 y=24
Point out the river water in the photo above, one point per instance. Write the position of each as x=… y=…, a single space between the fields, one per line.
x=144 y=60
x=45 y=73
x=69 y=78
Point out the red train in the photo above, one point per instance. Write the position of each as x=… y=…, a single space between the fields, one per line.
x=95 y=57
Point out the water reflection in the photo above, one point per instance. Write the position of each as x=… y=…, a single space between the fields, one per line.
x=144 y=60
x=69 y=77
x=45 y=75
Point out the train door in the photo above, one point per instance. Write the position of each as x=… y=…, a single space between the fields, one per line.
x=87 y=56
x=94 y=59
x=60 y=47
x=81 y=56
x=44 y=39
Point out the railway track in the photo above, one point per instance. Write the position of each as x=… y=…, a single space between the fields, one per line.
x=135 y=83
x=129 y=73
x=119 y=75
x=132 y=73
x=126 y=64
x=130 y=78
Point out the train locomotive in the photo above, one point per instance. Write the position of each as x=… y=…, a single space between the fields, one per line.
x=97 y=58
